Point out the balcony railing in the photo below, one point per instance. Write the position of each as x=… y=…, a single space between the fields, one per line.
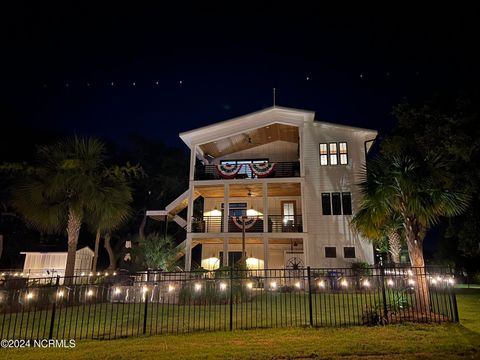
x=281 y=170
x=276 y=223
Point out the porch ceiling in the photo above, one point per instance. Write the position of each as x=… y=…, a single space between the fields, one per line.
x=255 y=190
x=250 y=139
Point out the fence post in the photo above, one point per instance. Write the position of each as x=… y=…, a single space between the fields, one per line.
x=145 y=311
x=384 y=296
x=310 y=296
x=231 y=299
x=52 y=318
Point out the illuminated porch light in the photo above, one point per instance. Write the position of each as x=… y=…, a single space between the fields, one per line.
x=253 y=212
x=215 y=212
x=366 y=283
x=223 y=286
x=344 y=283
x=198 y=287
x=273 y=285
x=390 y=282
x=171 y=288
x=321 y=284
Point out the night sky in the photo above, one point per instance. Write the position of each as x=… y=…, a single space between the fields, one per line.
x=174 y=69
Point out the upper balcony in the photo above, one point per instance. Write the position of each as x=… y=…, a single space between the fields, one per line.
x=242 y=169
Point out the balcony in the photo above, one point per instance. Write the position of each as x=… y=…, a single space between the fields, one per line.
x=280 y=170
x=253 y=224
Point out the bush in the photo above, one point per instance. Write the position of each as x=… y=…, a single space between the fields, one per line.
x=373 y=316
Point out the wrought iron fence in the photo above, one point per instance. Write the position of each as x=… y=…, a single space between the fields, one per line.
x=107 y=307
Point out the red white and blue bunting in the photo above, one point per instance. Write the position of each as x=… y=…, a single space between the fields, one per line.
x=262 y=169
x=249 y=222
x=228 y=171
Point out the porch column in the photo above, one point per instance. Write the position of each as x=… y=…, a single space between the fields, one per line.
x=265 y=206
x=265 y=251
x=188 y=253
x=226 y=211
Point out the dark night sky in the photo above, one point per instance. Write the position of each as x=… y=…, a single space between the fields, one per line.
x=215 y=63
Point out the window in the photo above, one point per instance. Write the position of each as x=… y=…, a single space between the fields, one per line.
x=347 y=203
x=332 y=150
x=336 y=204
x=288 y=212
x=323 y=154
x=349 y=252
x=343 y=153
x=326 y=206
x=330 y=252
x=331 y=153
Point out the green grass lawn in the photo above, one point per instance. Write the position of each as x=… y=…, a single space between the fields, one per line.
x=424 y=341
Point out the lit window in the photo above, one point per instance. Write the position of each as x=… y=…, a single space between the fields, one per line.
x=332 y=150
x=343 y=153
x=323 y=154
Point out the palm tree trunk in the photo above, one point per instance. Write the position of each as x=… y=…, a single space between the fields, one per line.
x=394 y=246
x=111 y=256
x=415 y=252
x=73 y=231
x=95 y=256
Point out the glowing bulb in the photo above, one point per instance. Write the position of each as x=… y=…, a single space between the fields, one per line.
x=439 y=278
x=390 y=282
x=117 y=291
x=273 y=285
x=114 y=273
x=344 y=283
x=106 y=274
x=90 y=293
x=223 y=286
x=366 y=283
x=29 y=295
x=98 y=274
x=60 y=294
x=249 y=285
x=145 y=289
x=21 y=274
x=321 y=284
x=409 y=272
x=16 y=274
x=451 y=281
x=82 y=274
x=90 y=274
x=198 y=287
x=411 y=282
x=171 y=288
x=297 y=285
x=433 y=281
x=3 y=274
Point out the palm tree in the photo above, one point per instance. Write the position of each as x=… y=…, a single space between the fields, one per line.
x=116 y=197
x=410 y=188
x=65 y=188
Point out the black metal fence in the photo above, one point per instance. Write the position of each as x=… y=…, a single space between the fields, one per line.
x=108 y=307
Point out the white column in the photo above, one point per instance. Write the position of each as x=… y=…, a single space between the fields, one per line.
x=300 y=146
x=193 y=158
x=188 y=253
x=265 y=206
x=226 y=211
x=266 y=253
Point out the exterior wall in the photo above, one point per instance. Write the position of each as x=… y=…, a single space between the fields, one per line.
x=332 y=230
x=277 y=151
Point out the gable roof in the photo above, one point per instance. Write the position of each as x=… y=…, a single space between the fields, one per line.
x=255 y=120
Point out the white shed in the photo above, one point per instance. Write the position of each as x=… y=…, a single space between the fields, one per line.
x=53 y=263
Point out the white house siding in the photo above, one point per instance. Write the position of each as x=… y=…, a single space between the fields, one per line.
x=332 y=230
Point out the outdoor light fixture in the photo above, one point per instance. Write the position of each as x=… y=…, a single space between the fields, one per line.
x=29 y=296
x=390 y=282
x=114 y=273
x=16 y=274
x=297 y=285
x=249 y=285
x=98 y=274
x=117 y=291
x=90 y=293
x=366 y=283
x=223 y=286
x=82 y=274
x=106 y=274
x=273 y=285
x=171 y=288
x=60 y=294
x=90 y=274
x=145 y=289
x=344 y=283
x=321 y=284
x=198 y=287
